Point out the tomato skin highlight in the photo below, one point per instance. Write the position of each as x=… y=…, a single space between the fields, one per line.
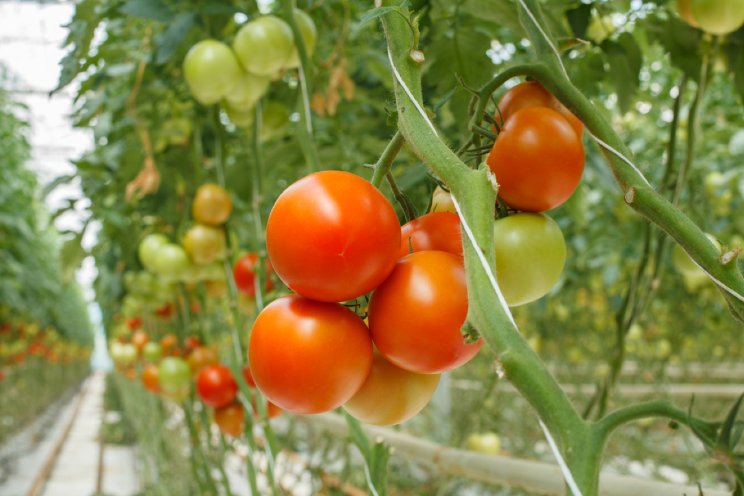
x=391 y=395
x=434 y=231
x=216 y=386
x=332 y=236
x=538 y=160
x=416 y=315
x=308 y=356
x=533 y=94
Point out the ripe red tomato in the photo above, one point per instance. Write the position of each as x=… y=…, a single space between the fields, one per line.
x=164 y=312
x=230 y=419
x=271 y=409
x=308 y=356
x=332 y=236
x=416 y=315
x=538 y=160
x=216 y=386
x=391 y=395
x=532 y=94
x=244 y=272
x=434 y=231
x=134 y=323
x=212 y=205
x=150 y=378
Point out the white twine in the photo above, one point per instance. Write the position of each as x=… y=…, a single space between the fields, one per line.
x=567 y=476
x=410 y=95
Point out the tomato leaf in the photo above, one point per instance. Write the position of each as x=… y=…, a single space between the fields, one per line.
x=624 y=57
x=71 y=256
x=168 y=41
x=147 y=9
x=578 y=19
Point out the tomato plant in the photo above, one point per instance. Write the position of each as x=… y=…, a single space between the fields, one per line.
x=211 y=71
x=532 y=94
x=204 y=243
x=416 y=316
x=332 y=236
x=530 y=255
x=538 y=159
x=291 y=337
x=244 y=273
x=216 y=386
x=264 y=45
x=433 y=231
x=391 y=395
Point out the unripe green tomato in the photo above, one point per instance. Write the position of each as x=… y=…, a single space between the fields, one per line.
x=152 y=352
x=241 y=118
x=684 y=264
x=274 y=118
x=264 y=45
x=148 y=249
x=530 y=254
x=123 y=354
x=174 y=376
x=171 y=261
x=487 y=442
x=600 y=28
x=204 y=243
x=309 y=34
x=211 y=71
x=249 y=90
x=718 y=16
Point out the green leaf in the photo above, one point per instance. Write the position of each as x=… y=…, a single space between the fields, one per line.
x=169 y=40
x=373 y=14
x=154 y=10
x=71 y=256
x=501 y=12
x=578 y=19
x=725 y=437
x=625 y=59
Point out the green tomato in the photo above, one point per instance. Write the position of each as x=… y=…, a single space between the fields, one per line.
x=309 y=34
x=149 y=247
x=718 y=16
x=241 y=118
x=274 y=117
x=600 y=28
x=264 y=45
x=152 y=352
x=684 y=264
x=249 y=90
x=174 y=377
x=123 y=354
x=487 y=442
x=171 y=261
x=211 y=71
x=530 y=254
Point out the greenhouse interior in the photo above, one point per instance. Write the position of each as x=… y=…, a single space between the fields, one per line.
x=389 y=248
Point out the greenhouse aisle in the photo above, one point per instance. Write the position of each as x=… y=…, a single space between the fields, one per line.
x=74 y=436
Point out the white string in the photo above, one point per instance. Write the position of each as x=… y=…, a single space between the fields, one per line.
x=567 y=476
x=720 y=284
x=410 y=95
x=545 y=35
x=484 y=263
x=368 y=476
x=621 y=157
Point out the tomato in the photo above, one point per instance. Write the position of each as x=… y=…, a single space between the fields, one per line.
x=271 y=409
x=264 y=45
x=239 y=117
x=174 y=377
x=200 y=358
x=152 y=352
x=216 y=386
x=308 y=356
x=148 y=249
x=416 y=315
x=434 y=231
x=134 y=323
x=244 y=272
x=332 y=236
x=123 y=354
x=532 y=94
x=204 y=244
x=150 y=378
x=274 y=118
x=191 y=343
x=230 y=419
x=718 y=16
x=538 y=160
x=249 y=90
x=391 y=395
x=487 y=442
x=165 y=311
x=211 y=71
x=684 y=9
x=140 y=339
x=441 y=201
x=309 y=34
x=171 y=261
x=530 y=255
x=684 y=264
x=212 y=205
x=169 y=342
x=215 y=288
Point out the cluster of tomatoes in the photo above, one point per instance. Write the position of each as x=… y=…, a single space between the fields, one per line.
x=238 y=76
x=20 y=339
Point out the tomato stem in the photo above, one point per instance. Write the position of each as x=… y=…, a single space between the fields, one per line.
x=385 y=162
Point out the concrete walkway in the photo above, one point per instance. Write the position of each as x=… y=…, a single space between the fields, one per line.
x=75 y=471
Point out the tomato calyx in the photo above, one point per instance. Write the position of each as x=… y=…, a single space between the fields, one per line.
x=470 y=333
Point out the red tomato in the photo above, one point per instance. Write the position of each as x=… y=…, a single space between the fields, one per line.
x=164 y=312
x=532 y=94
x=308 y=356
x=332 y=236
x=271 y=409
x=538 y=160
x=216 y=386
x=391 y=395
x=415 y=316
x=150 y=378
x=434 y=231
x=244 y=272
x=134 y=323
x=230 y=419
